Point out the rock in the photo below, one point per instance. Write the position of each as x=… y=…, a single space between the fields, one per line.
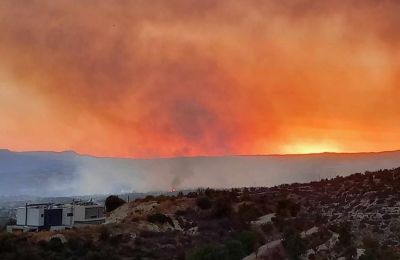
x=264 y=219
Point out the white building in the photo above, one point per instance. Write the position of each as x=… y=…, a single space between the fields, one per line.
x=88 y=213
x=82 y=213
x=31 y=216
x=36 y=217
x=68 y=215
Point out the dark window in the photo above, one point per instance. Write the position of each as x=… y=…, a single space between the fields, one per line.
x=70 y=214
x=42 y=215
x=96 y=212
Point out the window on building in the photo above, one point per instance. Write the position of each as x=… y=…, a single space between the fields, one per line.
x=70 y=214
x=96 y=212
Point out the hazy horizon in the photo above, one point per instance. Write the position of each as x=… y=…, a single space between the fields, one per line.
x=65 y=174
x=201 y=155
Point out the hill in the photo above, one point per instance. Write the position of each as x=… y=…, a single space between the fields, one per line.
x=353 y=217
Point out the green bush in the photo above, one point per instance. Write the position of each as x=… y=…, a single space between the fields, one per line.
x=250 y=240
x=235 y=248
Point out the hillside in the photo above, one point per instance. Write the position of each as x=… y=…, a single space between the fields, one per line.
x=52 y=174
x=353 y=217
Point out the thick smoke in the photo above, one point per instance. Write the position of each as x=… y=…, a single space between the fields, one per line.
x=70 y=174
x=166 y=78
x=181 y=169
x=117 y=176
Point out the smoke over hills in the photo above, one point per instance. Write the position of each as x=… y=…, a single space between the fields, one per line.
x=68 y=173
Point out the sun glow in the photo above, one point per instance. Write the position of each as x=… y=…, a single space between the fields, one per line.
x=307 y=148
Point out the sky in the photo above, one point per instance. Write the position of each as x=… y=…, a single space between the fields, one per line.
x=184 y=78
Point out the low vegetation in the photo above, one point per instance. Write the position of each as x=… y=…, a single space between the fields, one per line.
x=344 y=217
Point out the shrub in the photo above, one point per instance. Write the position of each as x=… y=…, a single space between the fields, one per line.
x=11 y=222
x=267 y=228
x=180 y=212
x=279 y=222
x=149 y=198
x=209 y=252
x=235 y=249
x=77 y=246
x=293 y=243
x=104 y=233
x=160 y=218
x=345 y=234
x=370 y=243
x=55 y=244
x=112 y=202
x=7 y=242
x=248 y=212
x=231 y=250
x=222 y=207
x=287 y=207
x=250 y=240
x=203 y=203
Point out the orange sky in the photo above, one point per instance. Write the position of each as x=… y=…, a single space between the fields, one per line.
x=168 y=78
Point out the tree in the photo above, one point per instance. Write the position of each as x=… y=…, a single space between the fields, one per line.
x=346 y=240
x=287 y=207
x=345 y=234
x=293 y=243
x=203 y=203
x=113 y=202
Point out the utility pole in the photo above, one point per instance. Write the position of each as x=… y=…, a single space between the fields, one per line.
x=26 y=214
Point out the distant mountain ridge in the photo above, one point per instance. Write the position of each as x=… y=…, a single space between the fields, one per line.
x=68 y=173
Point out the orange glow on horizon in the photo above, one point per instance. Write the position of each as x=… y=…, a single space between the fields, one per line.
x=310 y=148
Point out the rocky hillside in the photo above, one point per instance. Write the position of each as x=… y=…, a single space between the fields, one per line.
x=354 y=217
